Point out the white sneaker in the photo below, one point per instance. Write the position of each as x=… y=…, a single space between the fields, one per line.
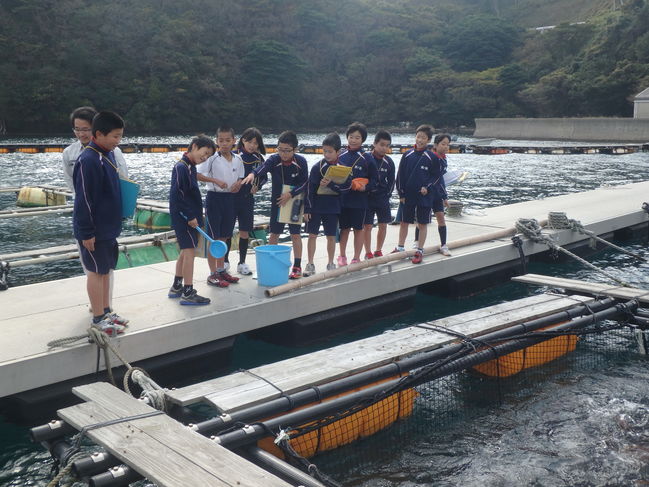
x=444 y=250
x=243 y=269
x=331 y=267
x=226 y=266
x=107 y=326
x=309 y=270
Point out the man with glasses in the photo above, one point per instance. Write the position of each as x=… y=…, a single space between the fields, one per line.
x=81 y=120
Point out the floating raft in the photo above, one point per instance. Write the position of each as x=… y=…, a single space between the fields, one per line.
x=130 y=148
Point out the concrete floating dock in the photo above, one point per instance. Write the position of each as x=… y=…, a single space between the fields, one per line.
x=34 y=315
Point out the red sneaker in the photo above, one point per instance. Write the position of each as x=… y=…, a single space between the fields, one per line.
x=215 y=279
x=378 y=253
x=369 y=255
x=296 y=273
x=418 y=257
x=224 y=276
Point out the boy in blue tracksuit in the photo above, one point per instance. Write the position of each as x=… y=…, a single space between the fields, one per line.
x=354 y=204
x=186 y=212
x=251 y=149
x=286 y=167
x=324 y=208
x=420 y=185
x=441 y=145
x=379 y=197
x=97 y=216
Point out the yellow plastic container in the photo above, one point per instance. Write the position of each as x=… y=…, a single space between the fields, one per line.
x=39 y=197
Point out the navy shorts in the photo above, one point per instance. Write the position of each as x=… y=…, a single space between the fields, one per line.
x=421 y=212
x=277 y=227
x=352 y=218
x=383 y=215
x=219 y=214
x=186 y=236
x=438 y=205
x=329 y=223
x=244 y=209
x=103 y=259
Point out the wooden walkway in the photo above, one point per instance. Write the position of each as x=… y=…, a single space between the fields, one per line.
x=158 y=447
x=33 y=315
x=243 y=389
x=590 y=288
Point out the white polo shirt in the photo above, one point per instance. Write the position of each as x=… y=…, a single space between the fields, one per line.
x=218 y=167
x=71 y=154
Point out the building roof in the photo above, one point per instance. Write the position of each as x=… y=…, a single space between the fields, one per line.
x=644 y=95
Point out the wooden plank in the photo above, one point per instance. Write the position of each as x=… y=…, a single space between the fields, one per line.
x=594 y=288
x=242 y=389
x=158 y=447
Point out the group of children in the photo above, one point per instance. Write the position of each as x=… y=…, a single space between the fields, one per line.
x=233 y=172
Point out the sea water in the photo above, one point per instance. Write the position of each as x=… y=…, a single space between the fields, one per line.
x=585 y=428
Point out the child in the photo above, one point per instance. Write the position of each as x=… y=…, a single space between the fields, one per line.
x=223 y=173
x=419 y=187
x=97 y=216
x=186 y=211
x=324 y=208
x=352 y=214
x=286 y=168
x=81 y=121
x=379 y=197
x=250 y=148
x=441 y=145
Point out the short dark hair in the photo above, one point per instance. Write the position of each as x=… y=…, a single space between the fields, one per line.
x=440 y=137
x=83 y=113
x=427 y=129
x=287 y=137
x=333 y=140
x=382 y=135
x=106 y=122
x=249 y=134
x=357 y=127
x=223 y=129
x=200 y=141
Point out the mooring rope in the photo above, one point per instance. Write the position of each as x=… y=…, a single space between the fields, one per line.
x=66 y=470
x=532 y=230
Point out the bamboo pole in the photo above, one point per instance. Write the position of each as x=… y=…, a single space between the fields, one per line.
x=32 y=212
x=386 y=259
x=26 y=210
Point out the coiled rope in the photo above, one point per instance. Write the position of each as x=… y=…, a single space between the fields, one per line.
x=532 y=230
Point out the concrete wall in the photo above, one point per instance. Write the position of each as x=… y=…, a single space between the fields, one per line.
x=577 y=129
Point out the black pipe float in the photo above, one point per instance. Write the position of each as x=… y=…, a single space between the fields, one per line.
x=252 y=433
x=280 y=468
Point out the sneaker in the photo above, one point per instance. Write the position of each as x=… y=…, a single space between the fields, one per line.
x=419 y=256
x=193 y=299
x=369 y=255
x=397 y=250
x=117 y=319
x=243 y=269
x=355 y=261
x=296 y=273
x=415 y=245
x=108 y=327
x=224 y=276
x=215 y=279
x=331 y=267
x=444 y=250
x=378 y=253
x=309 y=270
x=226 y=266
x=175 y=292
x=342 y=261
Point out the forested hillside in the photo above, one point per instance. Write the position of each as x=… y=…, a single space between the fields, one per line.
x=182 y=66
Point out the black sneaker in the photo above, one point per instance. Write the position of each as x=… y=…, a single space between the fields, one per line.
x=175 y=292
x=193 y=299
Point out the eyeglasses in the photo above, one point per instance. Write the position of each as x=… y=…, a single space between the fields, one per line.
x=76 y=130
x=285 y=151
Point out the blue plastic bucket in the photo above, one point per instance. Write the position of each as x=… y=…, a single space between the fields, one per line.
x=273 y=262
x=129 y=190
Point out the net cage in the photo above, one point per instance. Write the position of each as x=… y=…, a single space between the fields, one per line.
x=456 y=388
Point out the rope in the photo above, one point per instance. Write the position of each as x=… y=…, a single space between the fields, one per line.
x=578 y=227
x=65 y=471
x=297 y=460
x=532 y=230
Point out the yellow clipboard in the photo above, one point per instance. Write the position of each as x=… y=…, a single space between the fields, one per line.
x=338 y=174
